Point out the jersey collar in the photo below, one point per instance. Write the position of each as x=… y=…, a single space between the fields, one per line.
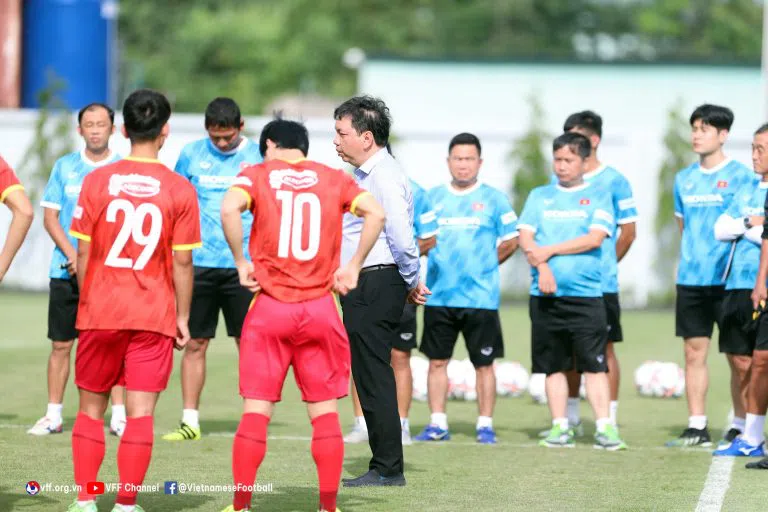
x=464 y=192
x=714 y=169
x=91 y=163
x=591 y=174
x=573 y=189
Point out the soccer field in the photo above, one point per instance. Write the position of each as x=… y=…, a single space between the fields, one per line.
x=458 y=475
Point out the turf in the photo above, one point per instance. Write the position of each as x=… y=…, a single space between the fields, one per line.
x=458 y=475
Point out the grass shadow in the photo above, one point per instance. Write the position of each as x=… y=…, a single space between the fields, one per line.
x=293 y=498
x=10 y=500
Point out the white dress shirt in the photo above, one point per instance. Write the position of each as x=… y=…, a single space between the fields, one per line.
x=382 y=176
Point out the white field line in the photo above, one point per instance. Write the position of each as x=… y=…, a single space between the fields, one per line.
x=716 y=486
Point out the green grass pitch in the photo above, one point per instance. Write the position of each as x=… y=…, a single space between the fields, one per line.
x=457 y=475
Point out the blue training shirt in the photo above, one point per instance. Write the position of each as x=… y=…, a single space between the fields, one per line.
x=624 y=211
x=424 y=217
x=557 y=214
x=748 y=201
x=463 y=269
x=701 y=196
x=212 y=173
x=61 y=193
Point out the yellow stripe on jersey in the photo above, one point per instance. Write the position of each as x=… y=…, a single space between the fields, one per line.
x=247 y=195
x=142 y=159
x=353 y=205
x=187 y=247
x=80 y=236
x=12 y=188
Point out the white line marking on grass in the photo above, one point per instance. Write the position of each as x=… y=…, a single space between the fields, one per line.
x=716 y=486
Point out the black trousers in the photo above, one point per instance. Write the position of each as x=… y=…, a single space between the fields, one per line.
x=372 y=314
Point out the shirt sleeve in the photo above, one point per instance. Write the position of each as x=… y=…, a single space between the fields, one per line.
x=424 y=216
x=244 y=184
x=624 y=204
x=397 y=201
x=186 y=225
x=53 y=195
x=603 y=218
x=83 y=216
x=8 y=181
x=506 y=219
x=678 y=200
x=182 y=164
x=529 y=218
x=350 y=193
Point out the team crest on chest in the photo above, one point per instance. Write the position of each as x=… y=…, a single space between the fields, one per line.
x=292 y=178
x=584 y=202
x=478 y=207
x=722 y=184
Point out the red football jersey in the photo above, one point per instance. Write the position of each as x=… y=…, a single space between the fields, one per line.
x=297 y=216
x=134 y=213
x=8 y=180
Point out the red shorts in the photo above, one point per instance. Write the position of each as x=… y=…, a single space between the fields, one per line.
x=308 y=335
x=138 y=360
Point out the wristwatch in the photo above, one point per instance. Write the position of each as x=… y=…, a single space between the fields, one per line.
x=747 y=224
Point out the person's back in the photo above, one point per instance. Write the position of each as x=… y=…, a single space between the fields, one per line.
x=134 y=213
x=12 y=194
x=137 y=223
x=297 y=207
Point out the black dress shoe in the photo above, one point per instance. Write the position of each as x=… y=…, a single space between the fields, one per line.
x=761 y=464
x=373 y=479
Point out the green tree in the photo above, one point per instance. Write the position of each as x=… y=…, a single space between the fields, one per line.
x=52 y=138
x=532 y=166
x=678 y=150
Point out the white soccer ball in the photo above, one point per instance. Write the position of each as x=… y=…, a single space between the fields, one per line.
x=536 y=388
x=419 y=370
x=670 y=381
x=644 y=376
x=469 y=384
x=511 y=378
x=455 y=379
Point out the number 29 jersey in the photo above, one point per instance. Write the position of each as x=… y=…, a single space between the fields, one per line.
x=297 y=211
x=134 y=213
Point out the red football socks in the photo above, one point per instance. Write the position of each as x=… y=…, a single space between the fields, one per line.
x=87 y=452
x=248 y=452
x=133 y=457
x=328 y=452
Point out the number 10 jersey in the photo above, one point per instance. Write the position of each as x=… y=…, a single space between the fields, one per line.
x=134 y=213
x=297 y=211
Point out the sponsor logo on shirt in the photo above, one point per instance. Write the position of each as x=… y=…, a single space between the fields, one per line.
x=459 y=221
x=703 y=199
x=626 y=204
x=135 y=185
x=292 y=178
x=72 y=190
x=205 y=165
x=565 y=214
x=208 y=181
x=78 y=213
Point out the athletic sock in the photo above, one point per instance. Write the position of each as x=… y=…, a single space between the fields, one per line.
x=328 y=452
x=133 y=456
x=87 y=452
x=248 y=452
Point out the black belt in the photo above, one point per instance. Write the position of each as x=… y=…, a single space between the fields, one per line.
x=377 y=267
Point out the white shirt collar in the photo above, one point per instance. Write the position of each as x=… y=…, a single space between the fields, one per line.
x=91 y=163
x=464 y=192
x=591 y=174
x=572 y=189
x=716 y=168
x=375 y=158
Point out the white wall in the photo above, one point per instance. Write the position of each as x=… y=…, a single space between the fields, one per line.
x=431 y=102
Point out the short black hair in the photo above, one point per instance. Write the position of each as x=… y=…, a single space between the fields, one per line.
x=368 y=114
x=145 y=112
x=94 y=106
x=576 y=142
x=222 y=113
x=586 y=120
x=762 y=129
x=713 y=115
x=465 y=139
x=285 y=134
